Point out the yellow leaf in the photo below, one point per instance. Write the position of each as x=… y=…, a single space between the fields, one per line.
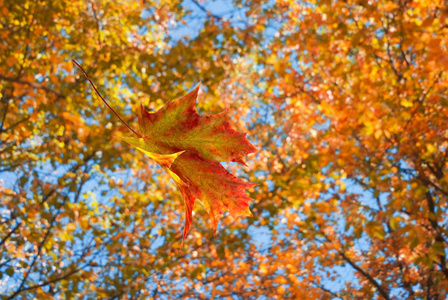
x=406 y=103
x=431 y=148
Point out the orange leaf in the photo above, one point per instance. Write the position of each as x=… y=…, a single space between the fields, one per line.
x=190 y=148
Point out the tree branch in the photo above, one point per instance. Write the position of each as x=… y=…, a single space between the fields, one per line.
x=369 y=277
x=206 y=11
x=33 y=85
x=39 y=250
x=9 y=235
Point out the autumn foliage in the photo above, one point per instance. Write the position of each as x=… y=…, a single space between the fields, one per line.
x=345 y=101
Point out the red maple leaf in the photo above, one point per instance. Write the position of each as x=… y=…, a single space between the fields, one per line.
x=190 y=148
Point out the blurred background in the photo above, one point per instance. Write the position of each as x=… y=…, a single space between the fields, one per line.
x=346 y=102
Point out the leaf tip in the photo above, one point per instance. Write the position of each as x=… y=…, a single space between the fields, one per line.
x=196 y=89
x=184 y=236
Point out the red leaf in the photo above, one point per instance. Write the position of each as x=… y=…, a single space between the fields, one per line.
x=190 y=148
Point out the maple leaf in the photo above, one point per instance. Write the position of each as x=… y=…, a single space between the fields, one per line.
x=190 y=148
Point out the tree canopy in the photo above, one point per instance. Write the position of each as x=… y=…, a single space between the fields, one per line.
x=345 y=101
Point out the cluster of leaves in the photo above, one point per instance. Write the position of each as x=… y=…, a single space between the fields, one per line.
x=346 y=101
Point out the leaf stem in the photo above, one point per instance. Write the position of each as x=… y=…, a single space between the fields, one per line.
x=91 y=83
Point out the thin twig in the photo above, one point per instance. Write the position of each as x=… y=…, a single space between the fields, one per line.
x=88 y=78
